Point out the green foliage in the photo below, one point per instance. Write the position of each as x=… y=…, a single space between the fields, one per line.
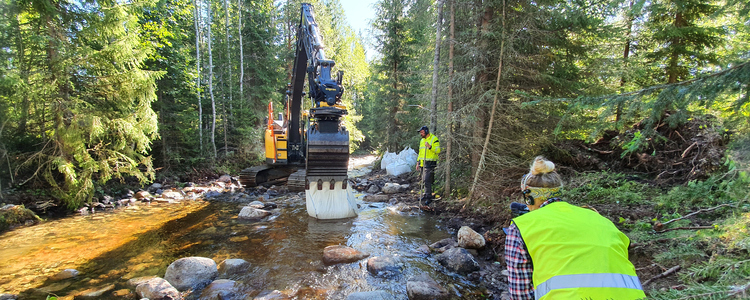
x=711 y=192
x=607 y=187
x=82 y=82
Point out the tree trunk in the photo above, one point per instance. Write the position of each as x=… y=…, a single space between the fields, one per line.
x=435 y=68
x=492 y=113
x=242 y=55
x=227 y=115
x=198 y=68
x=449 y=132
x=626 y=53
x=481 y=114
x=211 y=84
x=672 y=71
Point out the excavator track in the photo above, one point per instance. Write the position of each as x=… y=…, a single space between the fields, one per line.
x=264 y=175
x=296 y=181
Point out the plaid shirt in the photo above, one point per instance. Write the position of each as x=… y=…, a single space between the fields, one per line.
x=518 y=260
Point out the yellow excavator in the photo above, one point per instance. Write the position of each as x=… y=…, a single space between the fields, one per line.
x=311 y=146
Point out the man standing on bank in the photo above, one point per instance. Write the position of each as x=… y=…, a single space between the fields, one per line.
x=429 y=148
x=558 y=251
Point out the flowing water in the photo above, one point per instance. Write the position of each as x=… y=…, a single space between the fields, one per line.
x=285 y=250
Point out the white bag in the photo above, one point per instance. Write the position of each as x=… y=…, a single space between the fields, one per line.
x=388 y=158
x=330 y=204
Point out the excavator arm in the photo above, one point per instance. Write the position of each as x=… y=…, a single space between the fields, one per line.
x=326 y=144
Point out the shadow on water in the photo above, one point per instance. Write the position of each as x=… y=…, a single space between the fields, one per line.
x=285 y=252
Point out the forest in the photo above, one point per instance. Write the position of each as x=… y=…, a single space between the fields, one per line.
x=644 y=105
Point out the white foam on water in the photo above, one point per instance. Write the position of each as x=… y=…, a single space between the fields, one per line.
x=327 y=203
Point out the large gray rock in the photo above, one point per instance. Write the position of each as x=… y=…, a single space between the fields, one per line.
x=374 y=295
x=374 y=189
x=470 y=239
x=233 y=266
x=157 y=288
x=341 y=254
x=392 y=188
x=134 y=282
x=273 y=295
x=172 y=195
x=65 y=274
x=222 y=289
x=251 y=213
x=95 y=293
x=376 y=198
x=458 y=260
x=443 y=245
x=257 y=204
x=191 y=273
x=8 y=297
x=383 y=266
x=423 y=287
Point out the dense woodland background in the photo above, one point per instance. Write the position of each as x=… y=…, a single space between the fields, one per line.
x=97 y=90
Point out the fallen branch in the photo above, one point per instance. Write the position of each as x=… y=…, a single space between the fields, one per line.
x=664 y=274
x=686 y=228
x=597 y=151
x=697 y=212
x=688 y=149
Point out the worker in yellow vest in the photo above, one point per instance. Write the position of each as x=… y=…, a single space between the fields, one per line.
x=429 y=148
x=559 y=251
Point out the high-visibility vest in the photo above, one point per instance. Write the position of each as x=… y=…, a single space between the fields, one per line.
x=577 y=254
x=426 y=154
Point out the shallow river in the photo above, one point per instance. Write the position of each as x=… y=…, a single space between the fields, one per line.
x=285 y=252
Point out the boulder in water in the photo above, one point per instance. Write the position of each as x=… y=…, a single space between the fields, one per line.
x=157 y=288
x=458 y=260
x=252 y=213
x=65 y=274
x=233 y=266
x=443 y=245
x=383 y=266
x=338 y=254
x=221 y=289
x=374 y=295
x=191 y=273
x=423 y=287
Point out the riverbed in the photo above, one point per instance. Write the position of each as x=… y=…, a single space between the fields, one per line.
x=284 y=250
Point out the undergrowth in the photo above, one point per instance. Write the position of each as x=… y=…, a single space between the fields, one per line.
x=711 y=247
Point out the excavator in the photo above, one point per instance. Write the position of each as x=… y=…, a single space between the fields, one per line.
x=308 y=148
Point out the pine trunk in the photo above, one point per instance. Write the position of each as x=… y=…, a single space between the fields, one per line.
x=242 y=54
x=227 y=114
x=435 y=68
x=449 y=132
x=492 y=113
x=626 y=53
x=211 y=84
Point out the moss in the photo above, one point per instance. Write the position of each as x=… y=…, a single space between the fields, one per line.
x=16 y=215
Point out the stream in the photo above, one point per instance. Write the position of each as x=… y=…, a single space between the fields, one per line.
x=284 y=250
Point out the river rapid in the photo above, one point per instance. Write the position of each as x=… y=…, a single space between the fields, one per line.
x=284 y=250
